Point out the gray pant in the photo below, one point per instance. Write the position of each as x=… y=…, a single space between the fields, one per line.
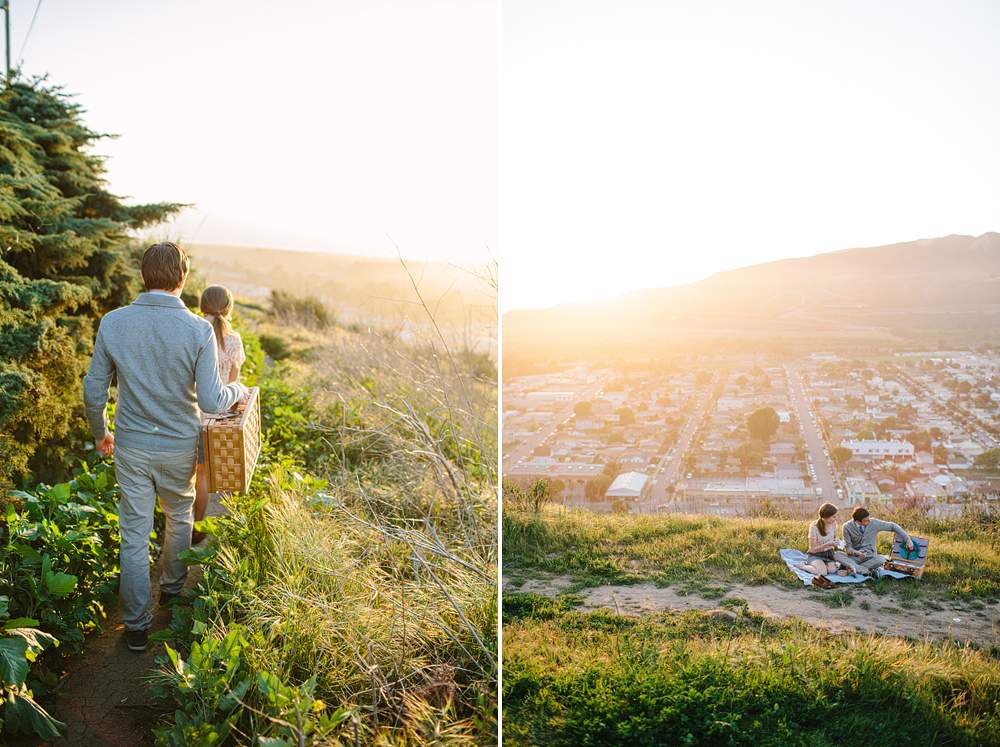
x=860 y=565
x=142 y=475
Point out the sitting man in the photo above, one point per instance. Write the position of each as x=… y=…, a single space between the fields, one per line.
x=859 y=538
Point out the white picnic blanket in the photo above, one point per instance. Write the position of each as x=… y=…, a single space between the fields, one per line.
x=791 y=557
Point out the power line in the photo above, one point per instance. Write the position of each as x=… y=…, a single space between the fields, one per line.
x=20 y=59
x=6 y=27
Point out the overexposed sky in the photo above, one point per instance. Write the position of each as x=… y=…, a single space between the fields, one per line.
x=648 y=143
x=334 y=125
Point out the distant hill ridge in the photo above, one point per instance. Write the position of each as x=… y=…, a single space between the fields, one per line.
x=932 y=284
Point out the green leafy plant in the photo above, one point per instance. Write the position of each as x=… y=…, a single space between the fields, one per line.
x=215 y=687
x=20 y=646
x=60 y=560
x=58 y=568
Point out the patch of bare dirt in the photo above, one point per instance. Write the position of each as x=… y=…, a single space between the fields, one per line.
x=973 y=622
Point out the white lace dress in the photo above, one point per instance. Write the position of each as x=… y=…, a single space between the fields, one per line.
x=231 y=355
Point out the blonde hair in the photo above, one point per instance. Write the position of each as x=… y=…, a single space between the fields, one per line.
x=218 y=301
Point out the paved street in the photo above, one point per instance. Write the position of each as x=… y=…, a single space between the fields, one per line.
x=815 y=445
x=671 y=465
x=536 y=439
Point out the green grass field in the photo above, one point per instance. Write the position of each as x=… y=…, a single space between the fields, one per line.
x=594 y=549
x=674 y=679
x=600 y=678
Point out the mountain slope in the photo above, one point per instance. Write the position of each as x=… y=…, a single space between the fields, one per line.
x=931 y=284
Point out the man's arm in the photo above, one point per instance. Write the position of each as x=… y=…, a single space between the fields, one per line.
x=96 y=386
x=888 y=526
x=849 y=538
x=852 y=540
x=213 y=395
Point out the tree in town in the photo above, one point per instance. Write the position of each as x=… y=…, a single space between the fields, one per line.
x=762 y=424
x=985 y=402
x=66 y=259
x=625 y=415
x=989 y=459
x=921 y=440
x=597 y=486
x=865 y=435
x=841 y=454
x=612 y=469
x=582 y=409
x=748 y=454
x=702 y=377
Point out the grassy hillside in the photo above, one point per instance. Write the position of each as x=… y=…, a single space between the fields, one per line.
x=589 y=678
x=349 y=598
x=352 y=597
x=599 y=679
x=669 y=549
x=358 y=289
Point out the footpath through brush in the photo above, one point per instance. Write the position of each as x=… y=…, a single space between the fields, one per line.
x=104 y=699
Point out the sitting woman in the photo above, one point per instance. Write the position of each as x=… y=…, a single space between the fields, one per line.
x=822 y=543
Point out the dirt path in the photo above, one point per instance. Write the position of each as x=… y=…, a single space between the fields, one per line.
x=964 y=621
x=104 y=698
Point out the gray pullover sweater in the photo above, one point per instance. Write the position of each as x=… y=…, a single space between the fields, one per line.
x=167 y=366
x=855 y=539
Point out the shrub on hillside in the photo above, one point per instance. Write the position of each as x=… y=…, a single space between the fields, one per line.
x=64 y=264
x=275 y=346
x=305 y=310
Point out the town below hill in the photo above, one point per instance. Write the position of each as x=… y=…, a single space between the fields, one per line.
x=726 y=434
x=908 y=294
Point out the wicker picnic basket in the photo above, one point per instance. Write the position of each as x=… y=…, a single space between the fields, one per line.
x=911 y=562
x=232 y=445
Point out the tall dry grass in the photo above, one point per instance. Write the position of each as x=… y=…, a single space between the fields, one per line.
x=369 y=576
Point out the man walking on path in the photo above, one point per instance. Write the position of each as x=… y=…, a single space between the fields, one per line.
x=166 y=362
x=859 y=539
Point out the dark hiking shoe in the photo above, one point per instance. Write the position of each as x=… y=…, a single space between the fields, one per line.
x=137 y=639
x=166 y=598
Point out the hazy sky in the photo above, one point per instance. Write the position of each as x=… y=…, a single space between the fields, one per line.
x=314 y=125
x=647 y=144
